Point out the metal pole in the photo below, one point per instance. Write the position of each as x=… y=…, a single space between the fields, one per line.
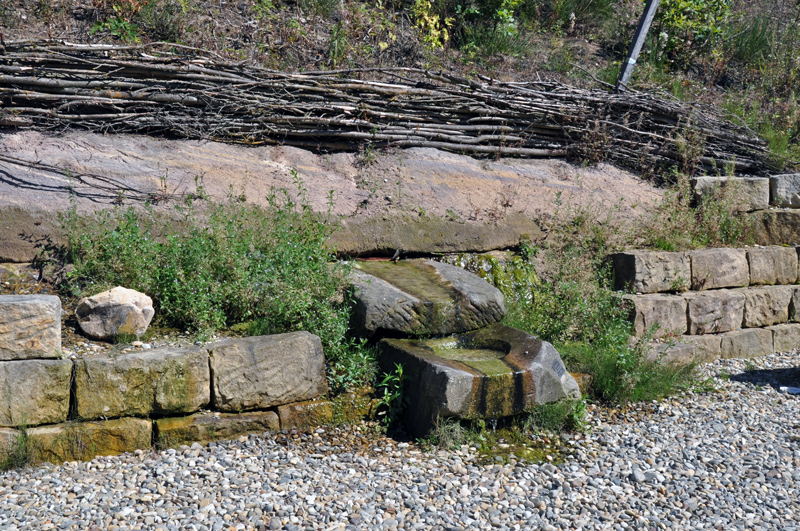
x=636 y=46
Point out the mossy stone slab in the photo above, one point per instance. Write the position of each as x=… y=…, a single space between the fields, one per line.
x=494 y=372
x=422 y=298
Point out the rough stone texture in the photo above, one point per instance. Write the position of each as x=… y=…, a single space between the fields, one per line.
x=706 y=348
x=266 y=371
x=9 y=439
x=667 y=312
x=81 y=441
x=778 y=226
x=753 y=192
x=785 y=190
x=672 y=354
x=767 y=305
x=651 y=271
x=115 y=312
x=422 y=298
x=206 y=427
x=519 y=372
x=710 y=312
x=163 y=381
x=306 y=414
x=349 y=408
x=584 y=382
x=719 y=268
x=30 y=327
x=772 y=265
x=785 y=337
x=34 y=392
x=750 y=343
x=794 y=304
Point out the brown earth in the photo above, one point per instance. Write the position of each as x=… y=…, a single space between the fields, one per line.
x=416 y=200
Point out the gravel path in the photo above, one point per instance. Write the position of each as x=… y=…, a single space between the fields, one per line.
x=724 y=459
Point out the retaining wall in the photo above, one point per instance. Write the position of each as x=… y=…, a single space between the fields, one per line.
x=717 y=303
x=65 y=410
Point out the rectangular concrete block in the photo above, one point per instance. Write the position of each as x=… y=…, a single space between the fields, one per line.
x=750 y=343
x=667 y=313
x=785 y=337
x=206 y=427
x=651 y=271
x=772 y=265
x=784 y=190
x=34 y=392
x=719 y=268
x=162 y=381
x=767 y=305
x=30 y=327
x=82 y=441
x=752 y=192
x=711 y=312
x=706 y=348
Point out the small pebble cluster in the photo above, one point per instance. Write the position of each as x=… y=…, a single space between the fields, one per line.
x=725 y=456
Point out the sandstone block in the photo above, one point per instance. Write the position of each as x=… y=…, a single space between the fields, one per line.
x=752 y=192
x=671 y=354
x=349 y=408
x=667 y=313
x=719 y=268
x=714 y=311
x=206 y=427
x=307 y=414
x=785 y=337
x=82 y=441
x=794 y=304
x=266 y=371
x=162 y=381
x=767 y=305
x=34 y=392
x=785 y=190
x=706 y=348
x=777 y=226
x=651 y=271
x=115 y=312
x=422 y=298
x=772 y=265
x=493 y=372
x=30 y=327
x=750 y=343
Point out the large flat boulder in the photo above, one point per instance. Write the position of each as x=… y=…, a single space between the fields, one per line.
x=266 y=371
x=719 y=268
x=777 y=226
x=493 y=372
x=30 y=327
x=206 y=427
x=34 y=392
x=158 y=382
x=422 y=298
x=82 y=441
x=767 y=305
x=664 y=315
x=710 y=312
x=785 y=337
x=746 y=343
x=651 y=271
x=772 y=265
x=752 y=192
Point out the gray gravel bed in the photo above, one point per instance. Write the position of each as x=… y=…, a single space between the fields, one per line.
x=710 y=459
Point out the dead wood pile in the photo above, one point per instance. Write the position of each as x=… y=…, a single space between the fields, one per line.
x=163 y=89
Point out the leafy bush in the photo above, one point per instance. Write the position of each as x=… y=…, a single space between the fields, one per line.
x=243 y=264
x=691 y=26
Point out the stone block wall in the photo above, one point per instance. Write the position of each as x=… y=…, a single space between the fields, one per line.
x=716 y=303
x=103 y=405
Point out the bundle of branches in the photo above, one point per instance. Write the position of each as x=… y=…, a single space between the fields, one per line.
x=165 y=89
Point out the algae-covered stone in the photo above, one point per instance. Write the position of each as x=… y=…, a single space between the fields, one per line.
x=30 y=327
x=162 y=381
x=493 y=372
x=34 y=392
x=651 y=271
x=664 y=315
x=772 y=265
x=710 y=312
x=81 y=441
x=206 y=427
x=307 y=414
x=266 y=371
x=766 y=305
x=748 y=343
x=719 y=268
x=422 y=298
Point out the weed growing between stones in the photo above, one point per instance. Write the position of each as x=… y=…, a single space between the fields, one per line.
x=18 y=455
x=267 y=267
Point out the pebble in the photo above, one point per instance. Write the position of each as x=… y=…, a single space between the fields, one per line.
x=722 y=456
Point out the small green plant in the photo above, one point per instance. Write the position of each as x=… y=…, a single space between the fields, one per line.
x=432 y=26
x=119 y=27
x=556 y=417
x=19 y=454
x=391 y=400
x=337 y=46
x=691 y=26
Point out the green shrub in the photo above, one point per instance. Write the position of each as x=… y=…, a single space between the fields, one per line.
x=242 y=264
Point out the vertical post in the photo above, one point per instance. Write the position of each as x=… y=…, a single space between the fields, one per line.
x=636 y=46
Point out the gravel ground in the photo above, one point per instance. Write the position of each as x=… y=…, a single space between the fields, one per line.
x=719 y=459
